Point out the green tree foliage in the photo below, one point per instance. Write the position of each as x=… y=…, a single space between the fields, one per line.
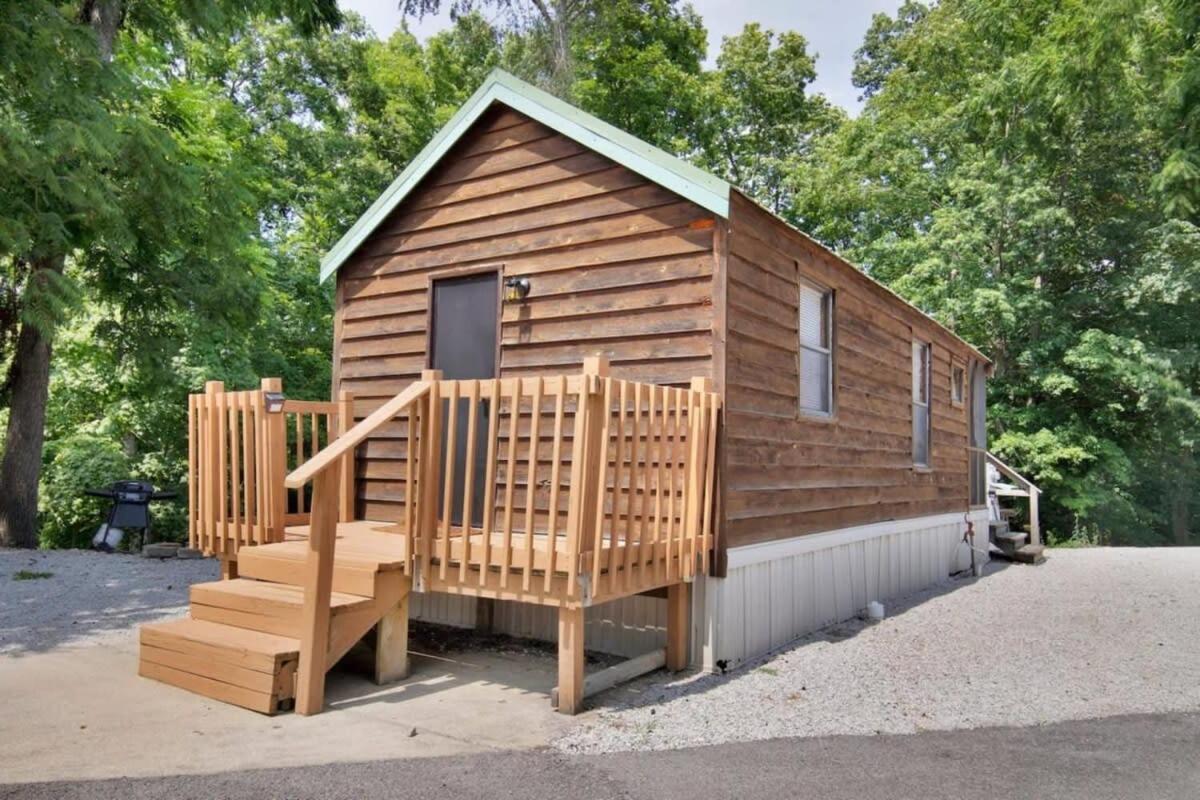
x=77 y=462
x=1026 y=170
x=638 y=66
x=1010 y=174
x=758 y=120
x=322 y=124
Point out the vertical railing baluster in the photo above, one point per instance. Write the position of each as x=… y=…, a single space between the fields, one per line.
x=192 y=483
x=489 y=490
x=469 y=477
x=431 y=469
x=617 y=490
x=448 y=491
x=345 y=421
x=635 y=487
x=531 y=482
x=514 y=416
x=560 y=392
x=235 y=463
x=599 y=461
x=660 y=477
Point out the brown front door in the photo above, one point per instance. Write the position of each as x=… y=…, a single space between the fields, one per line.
x=463 y=345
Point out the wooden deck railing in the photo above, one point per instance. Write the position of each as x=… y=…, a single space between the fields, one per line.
x=562 y=490
x=575 y=507
x=238 y=455
x=1025 y=488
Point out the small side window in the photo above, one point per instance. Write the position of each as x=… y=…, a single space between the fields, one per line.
x=920 y=403
x=816 y=349
x=958 y=380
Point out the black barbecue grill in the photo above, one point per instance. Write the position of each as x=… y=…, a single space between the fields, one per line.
x=130 y=509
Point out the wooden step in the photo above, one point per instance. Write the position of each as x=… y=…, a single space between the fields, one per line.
x=1010 y=541
x=247 y=668
x=360 y=553
x=1030 y=554
x=260 y=606
x=284 y=563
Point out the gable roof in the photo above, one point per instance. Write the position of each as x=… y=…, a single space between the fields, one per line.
x=658 y=166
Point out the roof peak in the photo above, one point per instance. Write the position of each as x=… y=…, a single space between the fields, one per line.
x=671 y=172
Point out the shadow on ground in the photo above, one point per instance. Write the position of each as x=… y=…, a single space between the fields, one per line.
x=442 y=658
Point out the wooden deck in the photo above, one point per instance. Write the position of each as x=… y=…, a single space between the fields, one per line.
x=383 y=546
x=588 y=489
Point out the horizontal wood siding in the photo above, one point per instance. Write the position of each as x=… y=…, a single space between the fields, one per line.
x=788 y=474
x=618 y=266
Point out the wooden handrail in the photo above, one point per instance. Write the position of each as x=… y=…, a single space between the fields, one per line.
x=329 y=490
x=1031 y=491
x=633 y=514
x=1005 y=469
x=355 y=436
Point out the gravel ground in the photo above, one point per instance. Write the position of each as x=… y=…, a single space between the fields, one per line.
x=1090 y=633
x=88 y=595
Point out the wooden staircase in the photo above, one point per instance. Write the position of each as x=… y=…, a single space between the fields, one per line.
x=241 y=643
x=1014 y=545
x=593 y=488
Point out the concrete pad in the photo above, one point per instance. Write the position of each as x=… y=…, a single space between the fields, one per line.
x=81 y=712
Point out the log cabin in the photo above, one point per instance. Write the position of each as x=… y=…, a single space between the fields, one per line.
x=584 y=392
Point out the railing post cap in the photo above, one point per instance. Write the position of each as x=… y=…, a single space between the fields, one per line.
x=595 y=365
x=212 y=387
x=431 y=374
x=700 y=384
x=272 y=384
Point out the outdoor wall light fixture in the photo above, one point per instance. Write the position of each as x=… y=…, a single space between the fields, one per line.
x=516 y=289
x=274 y=401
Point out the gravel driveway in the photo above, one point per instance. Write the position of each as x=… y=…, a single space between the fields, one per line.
x=88 y=595
x=1090 y=633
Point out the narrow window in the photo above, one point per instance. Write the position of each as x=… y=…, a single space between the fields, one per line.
x=816 y=349
x=920 y=403
x=977 y=443
x=958 y=377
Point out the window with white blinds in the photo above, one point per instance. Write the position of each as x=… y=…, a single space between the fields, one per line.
x=920 y=403
x=816 y=349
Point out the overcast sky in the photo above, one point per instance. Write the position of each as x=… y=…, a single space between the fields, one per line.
x=834 y=29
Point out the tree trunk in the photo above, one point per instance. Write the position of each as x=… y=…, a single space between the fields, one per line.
x=29 y=387
x=1180 y=513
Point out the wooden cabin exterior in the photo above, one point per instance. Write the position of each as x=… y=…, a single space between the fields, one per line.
x=720 y=434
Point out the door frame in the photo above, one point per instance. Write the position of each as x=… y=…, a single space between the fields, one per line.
x=464 y=272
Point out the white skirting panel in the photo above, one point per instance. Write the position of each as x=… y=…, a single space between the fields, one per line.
x=444 y=609
x=778 y=591
x=773 y=593
x=627 y=627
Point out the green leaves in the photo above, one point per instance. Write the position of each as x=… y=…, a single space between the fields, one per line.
x=1013 y=172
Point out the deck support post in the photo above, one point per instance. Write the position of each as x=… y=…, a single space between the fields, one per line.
x=421 y=542
x=229 y=568
x=318 y=585
x=1035 y=528
x=570 y=659
x=391 y=644
x=212 y=482
x=677 y=626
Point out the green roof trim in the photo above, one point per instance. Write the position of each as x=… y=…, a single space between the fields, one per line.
x=656 y=165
